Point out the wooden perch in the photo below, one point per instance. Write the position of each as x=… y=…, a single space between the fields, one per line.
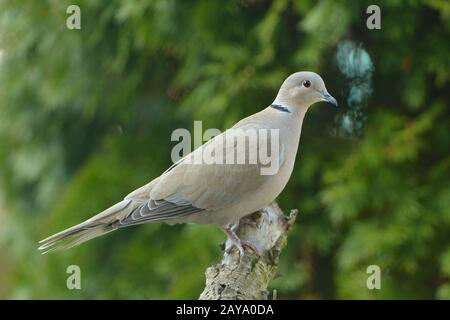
x=247 y=278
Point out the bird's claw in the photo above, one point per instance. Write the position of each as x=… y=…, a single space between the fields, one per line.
x=240 y=246
x=250 y=245
x=238 y=243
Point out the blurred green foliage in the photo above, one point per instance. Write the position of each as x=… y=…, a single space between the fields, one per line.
x=86 y=116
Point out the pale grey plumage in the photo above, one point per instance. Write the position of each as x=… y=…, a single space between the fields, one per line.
x=212 y=193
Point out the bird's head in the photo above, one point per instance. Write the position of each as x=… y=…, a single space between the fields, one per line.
x=302 y=89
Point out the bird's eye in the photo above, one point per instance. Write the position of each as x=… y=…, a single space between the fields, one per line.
x=306 y=83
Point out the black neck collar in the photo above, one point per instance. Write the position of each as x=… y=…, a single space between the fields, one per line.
x=281 y=107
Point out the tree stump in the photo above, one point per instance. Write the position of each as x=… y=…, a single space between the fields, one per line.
x=247 y=277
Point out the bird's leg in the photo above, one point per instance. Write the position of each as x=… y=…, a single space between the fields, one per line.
x=238 y=243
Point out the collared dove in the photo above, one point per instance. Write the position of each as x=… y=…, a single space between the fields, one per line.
x=214 y=193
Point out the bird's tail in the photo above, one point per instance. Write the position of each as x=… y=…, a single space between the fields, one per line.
x=87 y=230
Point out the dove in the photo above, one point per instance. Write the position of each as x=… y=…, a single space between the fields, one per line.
x=217 y=192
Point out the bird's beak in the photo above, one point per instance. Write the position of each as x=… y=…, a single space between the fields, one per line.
x=329 y=98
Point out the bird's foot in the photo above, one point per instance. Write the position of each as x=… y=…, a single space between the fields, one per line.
x=238 y=243
x=240 y=246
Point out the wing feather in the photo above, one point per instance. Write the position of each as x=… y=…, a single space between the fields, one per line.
x=187 y=188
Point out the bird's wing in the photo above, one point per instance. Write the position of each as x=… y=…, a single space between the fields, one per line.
x=188 y=187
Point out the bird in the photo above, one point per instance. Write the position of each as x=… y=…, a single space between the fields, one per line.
x=214 y=193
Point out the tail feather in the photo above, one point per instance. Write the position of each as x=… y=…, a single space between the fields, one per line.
x=128 y=212
x=67 y=240
x=92 y=228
